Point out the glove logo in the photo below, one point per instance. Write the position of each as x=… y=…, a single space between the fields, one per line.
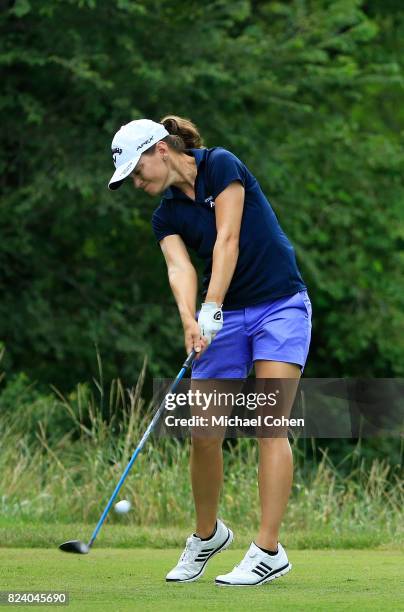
x=217 y=316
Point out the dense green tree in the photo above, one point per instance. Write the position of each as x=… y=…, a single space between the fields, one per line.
x=308 y=94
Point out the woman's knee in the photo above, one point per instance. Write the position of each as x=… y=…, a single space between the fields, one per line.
x=206 y=443
x=274 y=444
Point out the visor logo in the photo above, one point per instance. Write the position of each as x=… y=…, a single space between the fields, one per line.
x=125 y=170
x=144 y=143
x=115 y=152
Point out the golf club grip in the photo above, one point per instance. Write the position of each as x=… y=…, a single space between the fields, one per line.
x=139 y=447
x=189 y=359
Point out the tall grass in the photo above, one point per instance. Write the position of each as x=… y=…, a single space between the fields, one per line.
x=61 y=457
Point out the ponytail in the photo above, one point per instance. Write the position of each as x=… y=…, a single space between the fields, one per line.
x=183 y=133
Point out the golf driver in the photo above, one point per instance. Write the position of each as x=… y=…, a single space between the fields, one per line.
x=81 y=548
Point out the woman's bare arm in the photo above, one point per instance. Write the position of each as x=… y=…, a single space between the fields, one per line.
x=229 y=210
x=181 y=275
x=184 y=285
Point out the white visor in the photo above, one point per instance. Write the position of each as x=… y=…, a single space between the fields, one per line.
x=121 y=173
x=128 y=145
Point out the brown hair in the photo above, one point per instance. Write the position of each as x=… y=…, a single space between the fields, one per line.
x=183 y=135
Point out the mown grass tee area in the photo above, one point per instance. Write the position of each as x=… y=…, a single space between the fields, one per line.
x=133 y=579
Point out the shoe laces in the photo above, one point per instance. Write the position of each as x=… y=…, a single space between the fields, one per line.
x=190 y=549
x=246 y=563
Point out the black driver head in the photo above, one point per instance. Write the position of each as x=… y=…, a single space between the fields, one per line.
x=75 y=546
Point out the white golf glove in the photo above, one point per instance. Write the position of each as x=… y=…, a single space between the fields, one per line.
x=210 y=320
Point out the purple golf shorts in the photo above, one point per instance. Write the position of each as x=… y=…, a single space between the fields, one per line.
x=277 y=330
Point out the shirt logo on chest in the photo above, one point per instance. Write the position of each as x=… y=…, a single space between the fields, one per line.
x=210 y=201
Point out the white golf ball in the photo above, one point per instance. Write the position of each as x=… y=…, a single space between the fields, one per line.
x=122 y=507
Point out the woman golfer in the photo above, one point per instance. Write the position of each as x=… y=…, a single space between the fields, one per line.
x=255 y=309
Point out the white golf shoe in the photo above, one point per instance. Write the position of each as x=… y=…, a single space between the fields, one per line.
x=257 y=568
x=197 y=553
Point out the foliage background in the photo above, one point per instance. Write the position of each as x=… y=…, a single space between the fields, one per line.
x=309 y=94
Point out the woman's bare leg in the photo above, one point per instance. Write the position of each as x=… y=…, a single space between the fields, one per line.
x=206 y=465
x=206 y=460
x=275 y=472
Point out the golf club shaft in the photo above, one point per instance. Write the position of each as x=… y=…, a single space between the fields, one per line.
x=139 y=447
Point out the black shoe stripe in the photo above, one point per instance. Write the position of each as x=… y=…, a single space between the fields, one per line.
x=267 y=568
x=275 y=571
x=216 y=550
x=259 y=572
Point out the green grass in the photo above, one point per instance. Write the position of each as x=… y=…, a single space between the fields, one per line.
x=26 y=534
x=134 y=580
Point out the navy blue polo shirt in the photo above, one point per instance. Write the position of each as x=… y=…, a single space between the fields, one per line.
x=266 y=266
